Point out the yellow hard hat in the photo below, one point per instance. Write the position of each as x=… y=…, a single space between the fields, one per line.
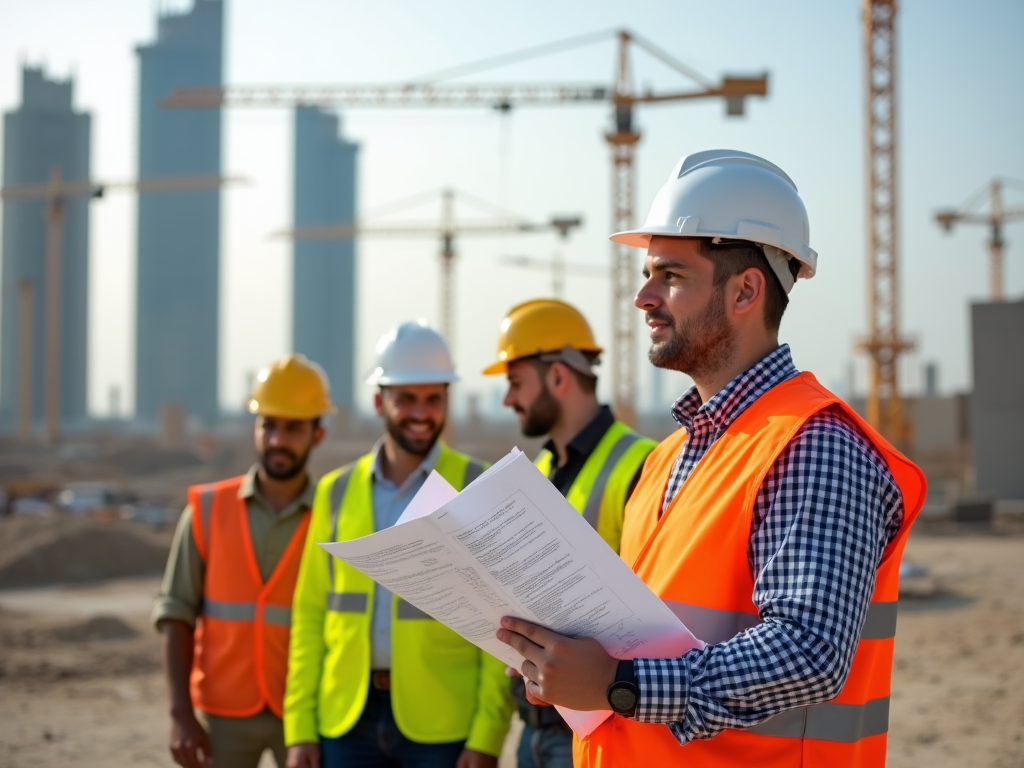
x=538 y=327
x=292 y=388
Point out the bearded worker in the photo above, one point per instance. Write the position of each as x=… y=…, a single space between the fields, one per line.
x=225 y=603
x=372 y=680
x=772 y=521
x=547 y=352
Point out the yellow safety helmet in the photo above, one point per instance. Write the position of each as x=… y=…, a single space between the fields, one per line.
x=538 y=327
x=293 y=387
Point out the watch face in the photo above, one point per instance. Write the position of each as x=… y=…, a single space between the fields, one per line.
x=622 y=698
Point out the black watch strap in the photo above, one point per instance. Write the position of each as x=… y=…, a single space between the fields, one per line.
x=623 y=694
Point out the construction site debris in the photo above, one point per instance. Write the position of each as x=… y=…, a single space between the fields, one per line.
x=38 y=550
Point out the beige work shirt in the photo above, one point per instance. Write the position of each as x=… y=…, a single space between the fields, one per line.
x=181 y=593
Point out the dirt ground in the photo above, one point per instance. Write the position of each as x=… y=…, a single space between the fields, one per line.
x=80 y=683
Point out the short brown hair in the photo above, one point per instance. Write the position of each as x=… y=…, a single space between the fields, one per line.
x=736 y=256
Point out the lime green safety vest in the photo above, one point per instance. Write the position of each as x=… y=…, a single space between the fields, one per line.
x=443 y=688
x=601 y=489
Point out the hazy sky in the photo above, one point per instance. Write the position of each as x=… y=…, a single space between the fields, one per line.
x=961 y=83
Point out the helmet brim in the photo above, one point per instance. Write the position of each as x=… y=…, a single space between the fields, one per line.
x=290 y=413
x=412 y=379
x=495 y=368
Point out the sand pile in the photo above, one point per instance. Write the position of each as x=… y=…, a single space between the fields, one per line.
x=58 y=550
x=19 y=631
x=95 y=628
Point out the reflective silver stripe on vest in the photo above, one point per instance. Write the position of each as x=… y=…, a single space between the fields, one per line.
x=347 y=602
x=710 y=624
x=410 y=611
x=225 y=611
x=714 y=626
x=593 y=506
x=336 y=497
x=829 y=722
x=277 y=614
x=880 y=621
x=473 y=471
x=205 y=513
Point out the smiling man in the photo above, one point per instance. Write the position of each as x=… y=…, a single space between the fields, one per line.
x=373 y=681
x=772 y=522
x=226 y=597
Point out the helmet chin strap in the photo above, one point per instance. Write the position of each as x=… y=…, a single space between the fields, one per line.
x=572 y=358
x=778 y=259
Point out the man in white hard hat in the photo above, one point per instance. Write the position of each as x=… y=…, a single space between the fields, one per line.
x=373 y=681
x=772 y=522
x=223 y=608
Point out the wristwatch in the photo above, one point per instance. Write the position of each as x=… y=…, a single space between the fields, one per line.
x=623 y=694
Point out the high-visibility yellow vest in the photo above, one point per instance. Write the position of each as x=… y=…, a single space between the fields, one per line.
x=601 y=489
x=443 y=688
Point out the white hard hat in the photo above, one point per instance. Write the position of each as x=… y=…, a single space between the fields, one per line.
x=724 y=193
x=412 y=353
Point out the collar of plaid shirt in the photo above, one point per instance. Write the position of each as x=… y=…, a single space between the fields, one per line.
x=735 y=397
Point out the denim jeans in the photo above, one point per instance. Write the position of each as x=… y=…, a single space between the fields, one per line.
x=376 y=742
x=547 y=747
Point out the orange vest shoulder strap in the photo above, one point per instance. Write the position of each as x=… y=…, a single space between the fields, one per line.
x=639 y=519
x=201 y=499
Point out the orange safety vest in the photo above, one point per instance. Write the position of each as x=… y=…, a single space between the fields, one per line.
x=694 y=556
x=240 y=661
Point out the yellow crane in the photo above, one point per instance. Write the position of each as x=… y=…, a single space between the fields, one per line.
x=884 y=343
x=996 y=219
x=447 y=228
x=55 y=193
x=622 y=95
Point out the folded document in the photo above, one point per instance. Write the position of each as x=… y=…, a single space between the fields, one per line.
x=510 y=545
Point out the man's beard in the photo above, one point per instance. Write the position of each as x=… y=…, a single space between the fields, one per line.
x=293 y=469
x=702 y=346
x=417 y=446
x=542 y=414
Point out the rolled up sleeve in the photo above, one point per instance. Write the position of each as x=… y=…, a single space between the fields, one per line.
x=181 y=592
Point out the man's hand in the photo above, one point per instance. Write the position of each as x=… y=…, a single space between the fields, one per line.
x=513 y=672
x=470 y=758
x=190 y=746
x=558 y=669
x=305 y=755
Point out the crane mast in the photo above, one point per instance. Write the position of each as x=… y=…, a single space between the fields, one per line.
x=622 y=143
x=883 y=343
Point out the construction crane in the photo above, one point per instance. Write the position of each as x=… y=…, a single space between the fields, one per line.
x=55 y=193
x=447 y=228
x=558 y=267
x=622 y=139
x=996 y=218
x=884 y=344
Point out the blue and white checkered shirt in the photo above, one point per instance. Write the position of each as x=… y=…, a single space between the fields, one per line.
x=822 y=518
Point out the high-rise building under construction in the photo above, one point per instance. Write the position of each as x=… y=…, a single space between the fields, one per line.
x=44 y=134
x=323 y=289
x=177 y=300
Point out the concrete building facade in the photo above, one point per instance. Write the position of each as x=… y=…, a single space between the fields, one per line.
x=43 y=134
x=997 y=403
x=324 y=272
x=178 y=249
